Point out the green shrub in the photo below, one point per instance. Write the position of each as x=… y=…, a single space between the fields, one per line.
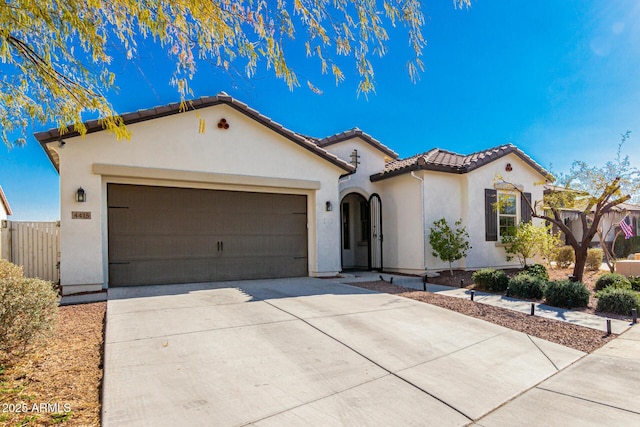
x=635 y=282
x=617 y=301
x=482 y=277
x=625 y=247
x=537 y=270
x=565 y=293
x=612 y=279
x=525 y=285
x=565 y=257
x=28 y=311
x=594 y=259
x=491 y=280
x=9 y=270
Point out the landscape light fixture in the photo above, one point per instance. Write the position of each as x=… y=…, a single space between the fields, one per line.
x=81 y=196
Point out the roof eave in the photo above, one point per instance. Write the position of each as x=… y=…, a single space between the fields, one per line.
x=345 y=136
x=163 y=111
x=5 y=202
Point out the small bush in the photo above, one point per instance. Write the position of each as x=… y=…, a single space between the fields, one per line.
x=28 y=311
x=527 y=286
x=565 y=293
x=565 y=257
x=617 y=301
x=537 y=270
x=635 y=282
x=483 y=277
x=594 y=259
x=9 y=270
x=625 y=247
x=491 y=280
x=612 y=279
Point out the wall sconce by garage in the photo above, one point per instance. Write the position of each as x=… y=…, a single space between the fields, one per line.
x=508 y=168
x=81 y=196
x=222 y=124
x=328 y=206
x=61 y=143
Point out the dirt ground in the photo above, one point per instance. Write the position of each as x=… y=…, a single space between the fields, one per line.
x=60 y=383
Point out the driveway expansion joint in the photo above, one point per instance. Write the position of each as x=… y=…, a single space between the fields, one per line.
x=588 y=400
x=177 y=334
x=377 y=364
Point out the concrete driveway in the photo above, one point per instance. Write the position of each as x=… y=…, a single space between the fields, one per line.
x=307 y=351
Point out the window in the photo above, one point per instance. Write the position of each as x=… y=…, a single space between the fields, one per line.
x=364 y=221
x=507 y=213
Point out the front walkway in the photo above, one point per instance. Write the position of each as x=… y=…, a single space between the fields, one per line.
x=542 y=310
x=600 y=389
x=311 y=352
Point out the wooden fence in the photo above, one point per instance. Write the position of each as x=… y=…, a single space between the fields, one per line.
x=36 y=247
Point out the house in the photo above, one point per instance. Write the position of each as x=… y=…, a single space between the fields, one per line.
x=5 y=211
x=609 y=224
x=248 y=198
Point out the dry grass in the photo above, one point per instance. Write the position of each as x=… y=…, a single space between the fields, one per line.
x=66 y=374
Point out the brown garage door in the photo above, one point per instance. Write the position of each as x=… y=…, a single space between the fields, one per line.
x=161 y=235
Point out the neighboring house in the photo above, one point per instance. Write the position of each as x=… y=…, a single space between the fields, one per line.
x=5 y=210
x=609 y=223
x=251 y=199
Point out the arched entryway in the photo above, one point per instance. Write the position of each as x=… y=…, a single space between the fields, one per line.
x=361 y=226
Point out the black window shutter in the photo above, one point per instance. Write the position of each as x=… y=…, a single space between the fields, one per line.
x=525 y=210
x=490 y=215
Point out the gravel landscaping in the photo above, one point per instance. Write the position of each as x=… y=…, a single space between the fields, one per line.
x=577 y=337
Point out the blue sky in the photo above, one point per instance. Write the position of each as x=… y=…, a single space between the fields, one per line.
x=558 y=79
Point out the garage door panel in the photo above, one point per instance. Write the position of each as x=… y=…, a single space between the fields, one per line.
x=174 y=235
x=131 y=247
x=267 y=245
x=156 y=272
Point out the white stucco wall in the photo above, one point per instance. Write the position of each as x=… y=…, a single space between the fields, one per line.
x=445 y=197
x=452 y=196
x=492 y=254
x=371 y=160
x=403 y=245
x=170 y=145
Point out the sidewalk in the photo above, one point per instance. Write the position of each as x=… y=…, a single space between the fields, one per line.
x=542 y=310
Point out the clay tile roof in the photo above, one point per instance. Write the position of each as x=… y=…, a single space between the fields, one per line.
x=174 y=108
x=353 y=133
x=5 y=202
x=447 y=161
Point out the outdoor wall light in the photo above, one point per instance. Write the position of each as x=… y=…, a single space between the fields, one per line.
x=81 y=196
x=328 y=206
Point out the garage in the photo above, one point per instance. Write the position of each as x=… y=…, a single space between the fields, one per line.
x=167 y=235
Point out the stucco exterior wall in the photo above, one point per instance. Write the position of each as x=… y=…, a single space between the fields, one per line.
x=450 y=196
x=171 y=145
x=492 y=254
x=403 y=245
x=371 y=160
x=445 y=197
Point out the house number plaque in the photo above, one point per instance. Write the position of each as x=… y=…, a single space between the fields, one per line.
x=80 y=215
